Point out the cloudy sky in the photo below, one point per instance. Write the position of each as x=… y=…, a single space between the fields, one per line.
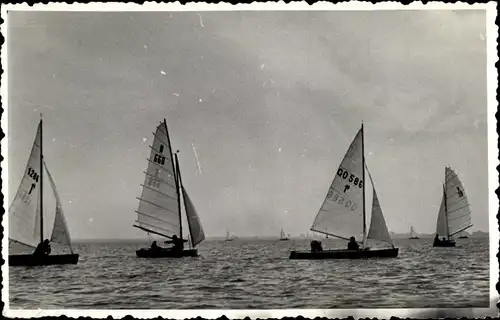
x=269 y=100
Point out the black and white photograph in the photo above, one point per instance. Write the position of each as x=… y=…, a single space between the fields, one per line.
x=262 y=159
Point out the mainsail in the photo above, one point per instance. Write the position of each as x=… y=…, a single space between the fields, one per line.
x=22 y=212
x=341 y=214
x=159 y=210
x=454 y=214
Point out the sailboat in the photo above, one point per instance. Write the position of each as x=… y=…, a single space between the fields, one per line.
x=26 y=214
x=229 y=236
x=159 y=211
x=343 y=213
x=412 y=234
x=454 y=214
x=283 y=236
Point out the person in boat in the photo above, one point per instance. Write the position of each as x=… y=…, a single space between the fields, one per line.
x=178 y=243
x=436 y=239
x=155 y=247
x=316 y=246
x=352 y=245
x=43 y=248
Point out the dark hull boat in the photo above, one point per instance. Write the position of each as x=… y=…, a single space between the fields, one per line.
x=343 y=213
x=463 y=237
x=148 y=253
x=26 y=220
x=159 y=210
x=454 y=215
x=445 y=243
x=414 y=238
x=32 y=260
x=345 y=254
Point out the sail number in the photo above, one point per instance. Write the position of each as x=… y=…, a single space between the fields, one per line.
x=159 y=159
x=32 y=174
x=350 y=177
x=335 y=197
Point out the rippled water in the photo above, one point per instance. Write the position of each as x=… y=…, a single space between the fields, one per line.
x=258 y=274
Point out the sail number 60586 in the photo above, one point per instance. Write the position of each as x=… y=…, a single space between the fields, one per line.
x=350 y=177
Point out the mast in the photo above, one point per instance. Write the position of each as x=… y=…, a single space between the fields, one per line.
x=41 y=179
x=176 y=175
x=177 y=185
x=364 y=182
x=446 y=207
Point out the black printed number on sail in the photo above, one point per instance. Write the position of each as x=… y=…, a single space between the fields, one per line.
x=33 y=175
x=159 y=159
x=344 y=174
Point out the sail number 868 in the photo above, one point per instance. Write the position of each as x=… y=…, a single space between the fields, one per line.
x=159 y=159
x=352 y=178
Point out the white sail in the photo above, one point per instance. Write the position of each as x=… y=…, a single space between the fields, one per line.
x=378 y=231
x=60 y=232
x=195 y=228
x=282 y=234
x=22 y=212
x=158 y=209
x=457 y=206
x=442 y=228
x=341 y=214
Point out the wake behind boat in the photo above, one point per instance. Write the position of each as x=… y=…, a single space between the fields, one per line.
x=159 y=210
x=343 y=213
x=454 y=214
x=26 y=215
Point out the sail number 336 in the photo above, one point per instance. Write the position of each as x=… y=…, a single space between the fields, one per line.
x=350 y=177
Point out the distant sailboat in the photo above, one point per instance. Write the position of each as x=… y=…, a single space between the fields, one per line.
x=229 y=236
x=343 y=213
x=454 y=214
x=26 y=214
x=283 y=236
x=159 y=210
x=412 y=234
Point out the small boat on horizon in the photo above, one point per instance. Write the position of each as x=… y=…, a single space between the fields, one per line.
x=413 y=236
x=160 y=208
x=26 y=214
x=283 y=236
x=343 y=214
x=454 y=214
x=230 y=236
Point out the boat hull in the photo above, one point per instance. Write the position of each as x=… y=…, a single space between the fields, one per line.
x=414 y=238
x=446 y=243
x=32 y=260
x=345 y=254
x=148 y=253
x=284 y=239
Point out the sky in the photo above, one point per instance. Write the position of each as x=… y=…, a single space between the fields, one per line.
x=269 y=101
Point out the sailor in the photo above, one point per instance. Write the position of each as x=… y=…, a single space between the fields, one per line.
x=178 y=243
x=436 y=239
x=316 y=246
x=352 y=245
x=155 y=247
x=43 y=248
